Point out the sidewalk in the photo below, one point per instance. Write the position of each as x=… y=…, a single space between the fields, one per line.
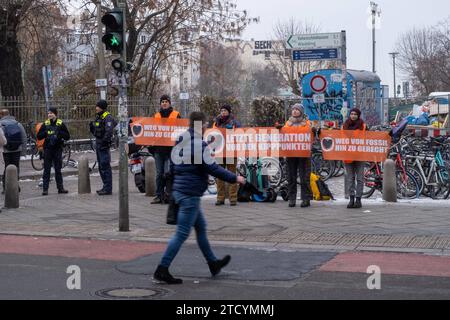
x=412 y=226
x=27 y=172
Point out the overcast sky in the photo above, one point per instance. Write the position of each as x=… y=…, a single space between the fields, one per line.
x=397 y=16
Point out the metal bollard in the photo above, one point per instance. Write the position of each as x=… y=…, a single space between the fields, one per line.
x=150 y=177
x=389 y=182
x=84 y=182
x=11 y=187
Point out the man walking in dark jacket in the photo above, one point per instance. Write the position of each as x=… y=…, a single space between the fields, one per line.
x=191 y=163
x=55 y=132
x=103 y=129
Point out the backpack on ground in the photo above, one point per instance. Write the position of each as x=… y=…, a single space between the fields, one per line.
x=320 y=189
x=13 y=136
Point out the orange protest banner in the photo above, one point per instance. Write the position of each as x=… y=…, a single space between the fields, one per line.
x=355 y=145
x=260 y=142
x=157 y=132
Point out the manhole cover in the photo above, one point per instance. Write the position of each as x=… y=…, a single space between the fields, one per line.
x=130 y=293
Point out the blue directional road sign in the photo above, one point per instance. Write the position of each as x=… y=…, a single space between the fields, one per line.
x=315 y=54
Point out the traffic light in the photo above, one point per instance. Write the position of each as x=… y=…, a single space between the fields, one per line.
x=113 y=38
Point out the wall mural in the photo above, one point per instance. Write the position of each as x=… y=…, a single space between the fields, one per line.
x=332 y=108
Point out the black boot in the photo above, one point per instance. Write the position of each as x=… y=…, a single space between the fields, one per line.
x=162 y=274
x=305 y=204
x=351 y=204
x=216 y=266
x=358 y=203
x=292 y=203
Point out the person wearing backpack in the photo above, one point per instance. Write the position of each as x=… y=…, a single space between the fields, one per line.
x=16 y=145
x=55 y=132
x=354 y=170
x=103 y=129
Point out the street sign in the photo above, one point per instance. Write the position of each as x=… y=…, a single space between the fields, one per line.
x=184 y=96
x=316 y=54
x=318 y=83
x=315 y=41
x=101 y=82
x=319 y=98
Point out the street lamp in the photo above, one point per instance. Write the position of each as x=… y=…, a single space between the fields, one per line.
x=375 y=11
x=394 y=55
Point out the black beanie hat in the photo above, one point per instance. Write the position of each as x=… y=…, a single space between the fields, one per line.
x=53 y=110
x=165 y=97
x=226 y=107
x=102 y=104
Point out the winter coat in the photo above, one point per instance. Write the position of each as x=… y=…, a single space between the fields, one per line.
x=188 y=177
x=7 y=120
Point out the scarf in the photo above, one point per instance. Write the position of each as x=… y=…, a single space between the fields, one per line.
x=298 y=121
x=221 y=122
x=165 y=113
x=354 y=125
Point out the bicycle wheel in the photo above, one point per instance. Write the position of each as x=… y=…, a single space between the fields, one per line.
x=66 y=155
x=323 y=168
x=419 y=178
x=271 y=167
x=37 y=160
x=340 y=170
x=371 y=180
x=407 y=186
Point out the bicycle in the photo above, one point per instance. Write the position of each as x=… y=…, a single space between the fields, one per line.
x=407 y=186
x=433 y=171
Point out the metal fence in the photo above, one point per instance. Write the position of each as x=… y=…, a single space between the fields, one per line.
x=77 y=113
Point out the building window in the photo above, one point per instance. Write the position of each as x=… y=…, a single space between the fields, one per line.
x=70 y=38
x=69 y=57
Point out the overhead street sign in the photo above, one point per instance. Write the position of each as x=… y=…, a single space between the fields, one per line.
x=315 y=41
x=317 y=54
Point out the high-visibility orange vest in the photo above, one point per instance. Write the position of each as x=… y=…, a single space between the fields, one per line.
x=173 y=115
x=364 y=129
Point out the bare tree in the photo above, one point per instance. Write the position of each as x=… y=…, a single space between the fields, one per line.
x=158 y=31
x=22 y=24
x=220 y=71
x=425 y=58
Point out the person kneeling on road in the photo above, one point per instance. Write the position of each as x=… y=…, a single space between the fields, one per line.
x=55 y=132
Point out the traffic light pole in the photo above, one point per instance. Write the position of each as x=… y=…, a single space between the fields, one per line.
x=124 y=223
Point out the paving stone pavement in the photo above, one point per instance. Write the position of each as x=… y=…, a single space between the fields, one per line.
x=408 y=226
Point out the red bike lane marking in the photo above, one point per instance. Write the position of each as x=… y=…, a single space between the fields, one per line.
x=390 y=263
x=111 y=250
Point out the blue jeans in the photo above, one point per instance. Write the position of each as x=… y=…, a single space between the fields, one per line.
x=162 y=161
x=104 y=167
x=189 y=215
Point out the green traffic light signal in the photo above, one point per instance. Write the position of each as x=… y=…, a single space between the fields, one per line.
x=113 y=38
x=114 y=41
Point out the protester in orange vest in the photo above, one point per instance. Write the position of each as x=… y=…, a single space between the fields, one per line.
x=162 y=153
x=354 y=169
x=227 y=120
x=299 y=119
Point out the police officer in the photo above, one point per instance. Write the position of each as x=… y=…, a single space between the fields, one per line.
x=55 y=132
x=102 y=129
